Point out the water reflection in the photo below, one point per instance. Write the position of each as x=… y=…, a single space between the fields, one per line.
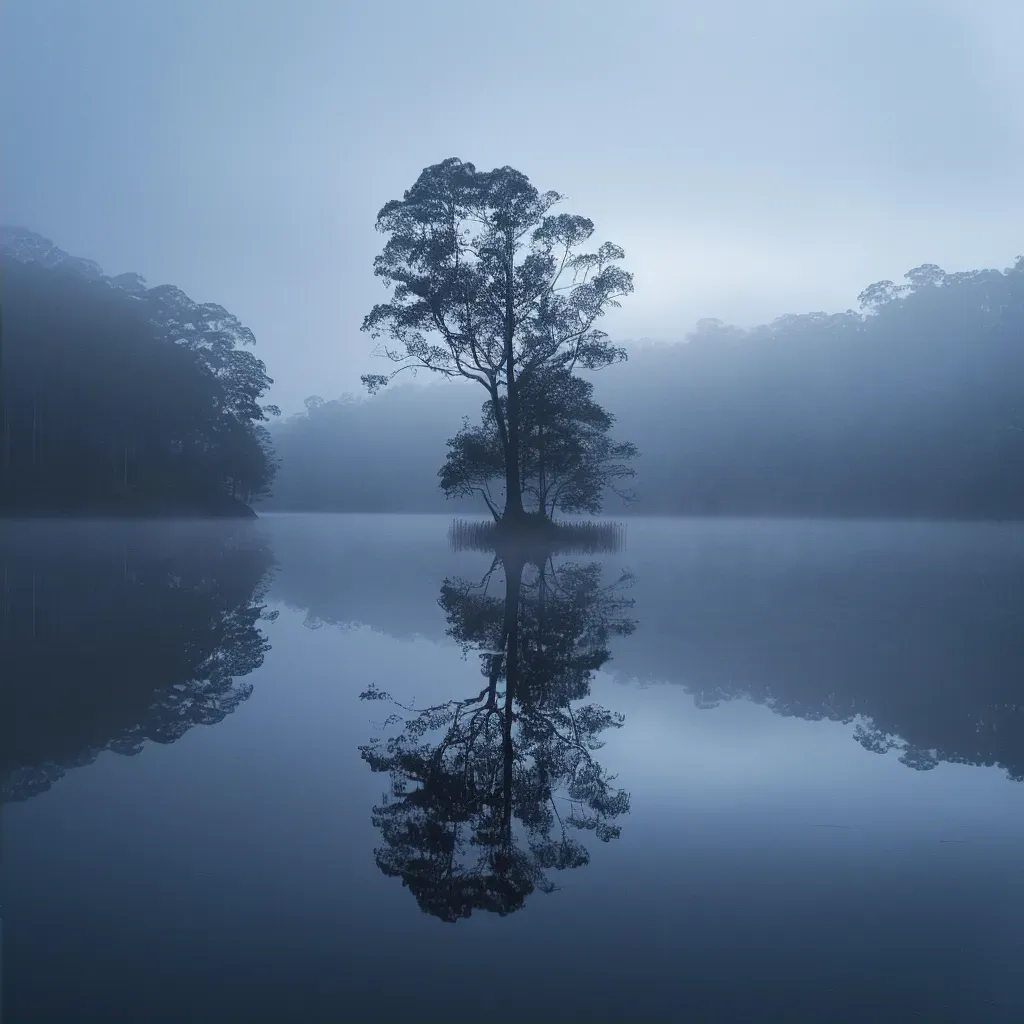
x=113 y=635
x=489 y=791
x=910 y=634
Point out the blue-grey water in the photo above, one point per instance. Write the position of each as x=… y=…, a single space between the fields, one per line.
x=810 y=810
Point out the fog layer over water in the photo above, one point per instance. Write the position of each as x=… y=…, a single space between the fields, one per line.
x=807 y=806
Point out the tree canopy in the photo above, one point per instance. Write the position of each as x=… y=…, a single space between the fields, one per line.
x=566 y=459
x=119 y=397
x=488 y=284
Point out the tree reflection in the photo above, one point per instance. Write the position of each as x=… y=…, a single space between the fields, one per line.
x=908 y=633
x=490 y=791
x=114 y=636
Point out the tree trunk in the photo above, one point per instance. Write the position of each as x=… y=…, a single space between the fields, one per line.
x=513 y=589
x=514 y=512
x=542 y=479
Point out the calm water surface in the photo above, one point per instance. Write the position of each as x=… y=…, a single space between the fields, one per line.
x=325 y=768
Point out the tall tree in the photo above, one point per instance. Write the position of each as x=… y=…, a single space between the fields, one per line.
x=488 y=284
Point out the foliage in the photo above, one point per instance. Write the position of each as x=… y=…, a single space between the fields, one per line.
x=489 y=792
x=121 y=397
x=489 y=285
x=566 y=461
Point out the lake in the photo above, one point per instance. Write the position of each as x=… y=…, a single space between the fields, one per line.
x=328 y=768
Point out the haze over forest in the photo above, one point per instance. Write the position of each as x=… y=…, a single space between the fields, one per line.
x=913 y=408
x=755 y=165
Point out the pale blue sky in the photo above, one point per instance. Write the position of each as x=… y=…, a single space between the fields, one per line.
x=753 y=157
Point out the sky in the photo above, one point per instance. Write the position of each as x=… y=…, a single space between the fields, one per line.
x=753 y=158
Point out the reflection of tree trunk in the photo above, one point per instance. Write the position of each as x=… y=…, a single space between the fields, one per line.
x=513 y=589
x=509 y=757
x=542 y=484
x=542 y=593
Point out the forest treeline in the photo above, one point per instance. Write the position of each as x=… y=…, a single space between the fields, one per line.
x=117 y=397
x=911 y=406
x=120 y=398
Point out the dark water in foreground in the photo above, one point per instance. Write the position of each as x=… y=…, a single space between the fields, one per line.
x=808 y=805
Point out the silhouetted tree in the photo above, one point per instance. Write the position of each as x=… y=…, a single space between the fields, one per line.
x=567 y=460
x=473 y=820
x=114 y=636
x=489 y=285
x=119 y=397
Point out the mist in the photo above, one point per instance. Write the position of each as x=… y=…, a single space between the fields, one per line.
x=912 y=407
x=512 y=512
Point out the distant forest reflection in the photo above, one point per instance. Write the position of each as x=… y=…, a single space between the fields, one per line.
x=912 y=634
x=115 y=635
x=491 y=791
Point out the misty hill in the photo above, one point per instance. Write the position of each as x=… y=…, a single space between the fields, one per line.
x=913 y=406
x=380 y=454
x=120 y=398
